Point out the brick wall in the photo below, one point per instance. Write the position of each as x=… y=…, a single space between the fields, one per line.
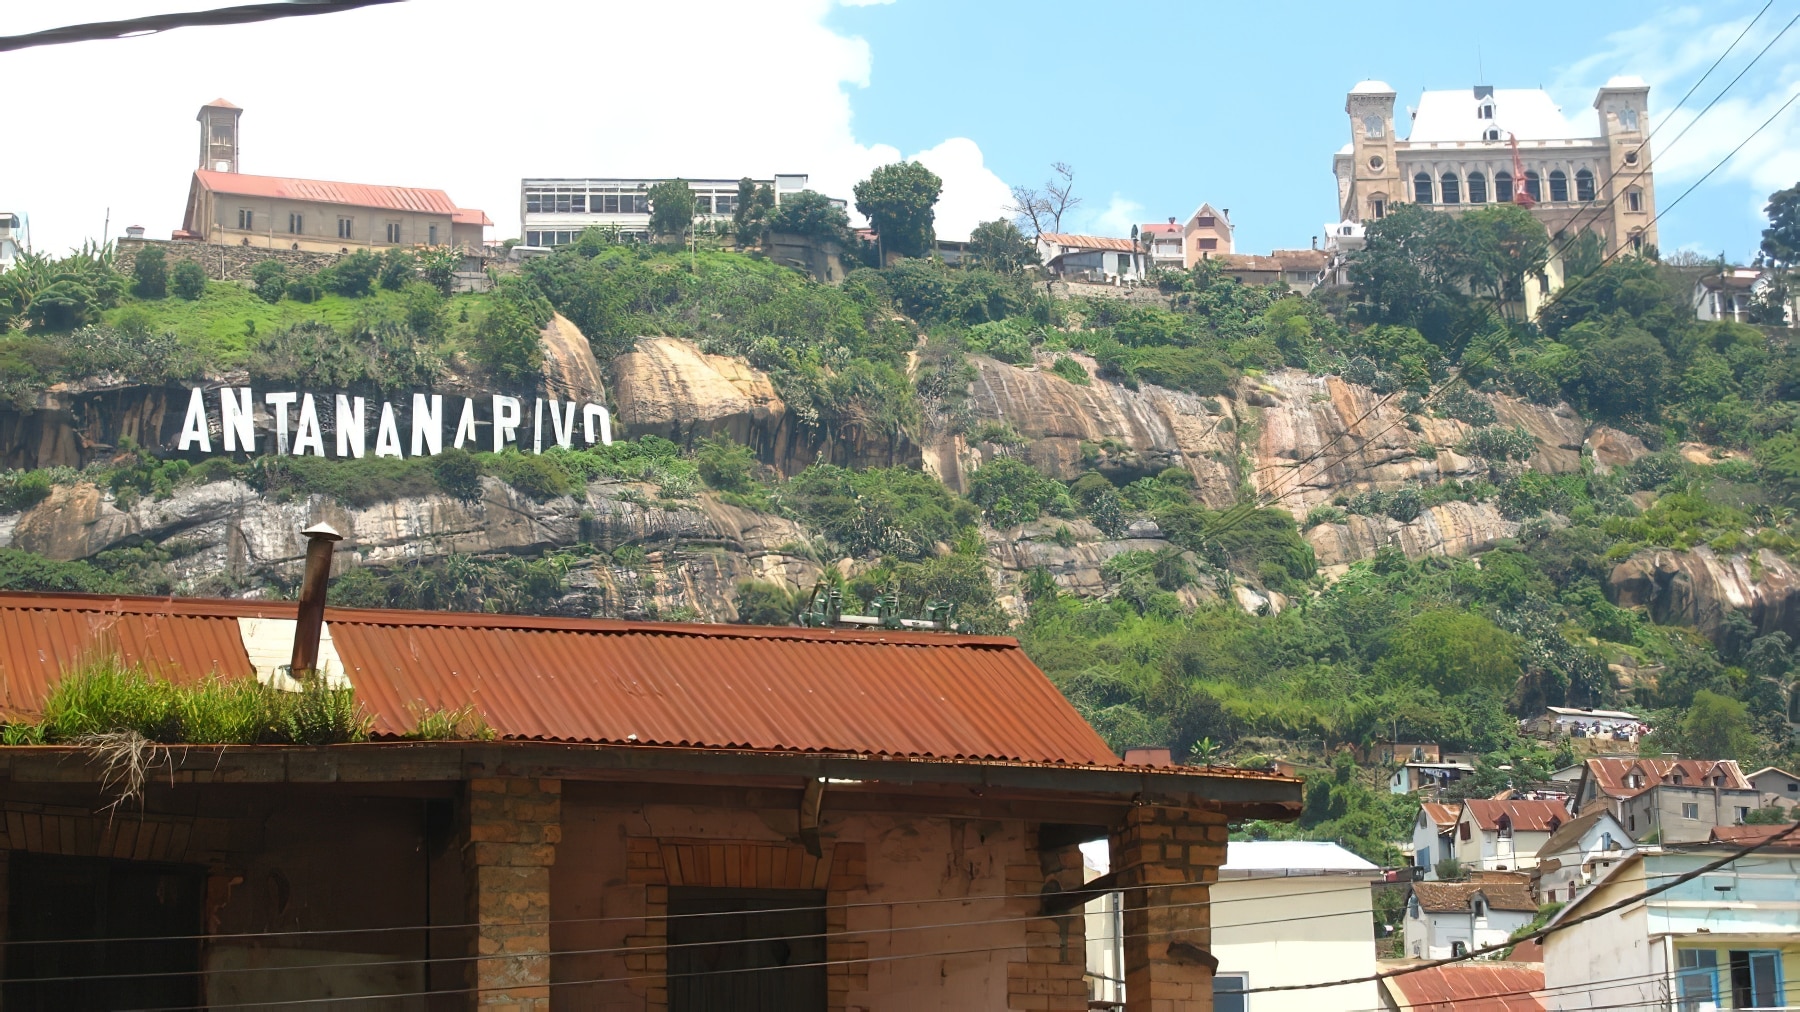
x=514 y=827
x=1052 y=974
x=1172 y=854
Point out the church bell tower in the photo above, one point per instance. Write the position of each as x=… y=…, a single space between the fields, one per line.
x=219 y=135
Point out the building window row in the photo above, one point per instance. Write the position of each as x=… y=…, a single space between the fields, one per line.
x=1449 y=188
x=545 y=202
x=563 y=237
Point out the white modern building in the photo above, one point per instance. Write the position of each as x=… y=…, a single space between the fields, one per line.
x=14 y=239
x=554 y=211
x=1293 y=912
x=1423 y=776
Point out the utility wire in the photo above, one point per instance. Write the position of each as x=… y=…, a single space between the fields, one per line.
x=154 y=23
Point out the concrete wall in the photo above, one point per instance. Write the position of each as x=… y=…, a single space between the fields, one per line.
x=1659 y=810
x=221 y=262
x=1297 y=930
x=1612 y=948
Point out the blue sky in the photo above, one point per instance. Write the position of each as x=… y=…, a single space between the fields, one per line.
x=1163 y=104
x=1158 y=104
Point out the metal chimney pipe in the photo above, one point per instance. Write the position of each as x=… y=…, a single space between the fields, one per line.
x=311 y=618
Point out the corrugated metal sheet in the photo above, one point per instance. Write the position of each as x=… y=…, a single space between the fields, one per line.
x=41 y=637
x=1469 y=987
x=895 y=693
x=393 y=198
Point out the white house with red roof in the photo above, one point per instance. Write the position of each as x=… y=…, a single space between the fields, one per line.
x=1205 y=234
x=232 y=208
x=1093 y=258
x=1504 y=835
x=1678 y=800
x=1434 y=837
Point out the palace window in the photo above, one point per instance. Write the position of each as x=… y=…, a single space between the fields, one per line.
x=1422 y=188
x=1503 y=187
x=1373 y=128
x=1559 y=186
x=1452 y=188
x=296 y=224
x=1375 y=163
x=1628 y=119
x=1492 y=134
x=1477 y=188
x=393 y=231
x=1206 y=244
x=1637 y=242
x=1487 y=112
x=1584 y=185
x=1377 y=208
x=1634 y=200
x=345 y=231
x=246 y=219
x=1533 y=185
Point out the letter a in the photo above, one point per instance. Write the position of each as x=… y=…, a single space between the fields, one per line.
x=387 y=434
x=193 y=428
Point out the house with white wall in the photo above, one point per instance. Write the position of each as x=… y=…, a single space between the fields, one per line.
x=1293 y=912
x=1577 y=855
x=1445 y=919
x=1775 y=787
x=1724 y=940
x=1504 y=835
x=1434 y=837
x=1092 y=258
x=1427 y=776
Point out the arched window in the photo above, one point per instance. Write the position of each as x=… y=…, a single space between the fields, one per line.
x=1533 y=186
x=1559 y=186
x=1477 y=188
x=1452 y=188
x=1373 y=127
x=1503 y=187
x=1584 y=185
x=1422 y=188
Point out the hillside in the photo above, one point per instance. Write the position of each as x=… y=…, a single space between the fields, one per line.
x=1220 y=517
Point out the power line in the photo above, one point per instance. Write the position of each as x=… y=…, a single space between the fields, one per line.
x=154 y=23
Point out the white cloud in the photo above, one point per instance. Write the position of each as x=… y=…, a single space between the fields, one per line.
x=1671 y=50
x=464 y=95
x=1116 y=218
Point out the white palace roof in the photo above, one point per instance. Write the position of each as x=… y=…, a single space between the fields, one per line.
x=1528 y=113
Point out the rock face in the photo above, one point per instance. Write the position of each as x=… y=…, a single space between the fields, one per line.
x=225 y=536
x=1454 y=528
x=670 y=388
x=1697 y=588
x=570 y=371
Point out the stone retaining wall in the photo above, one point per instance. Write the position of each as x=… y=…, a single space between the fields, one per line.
x=222 y=263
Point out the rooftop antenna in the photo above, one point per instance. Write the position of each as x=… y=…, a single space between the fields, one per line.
x=1480 y=68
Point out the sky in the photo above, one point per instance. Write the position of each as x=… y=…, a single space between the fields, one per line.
x=1158 y=105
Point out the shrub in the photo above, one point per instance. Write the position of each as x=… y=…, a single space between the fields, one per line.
x=458 y=473
x=1466 y=406
x=150 y=273
x=725 y=466
x=1498 y=443
x=21 y=490
x=540 y=478
x=304 y=288
x=353 y=275
x=1011 y=492
x=760 y=603
x=460 y=724
x=891 y=511
x=1070 y=370
x=1322 y=515
x=188 y=280
x=269 y=278
x=398 y=268
x=357 y=481
x=507 y=339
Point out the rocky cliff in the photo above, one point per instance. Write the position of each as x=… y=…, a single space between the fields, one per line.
x=1699 y=587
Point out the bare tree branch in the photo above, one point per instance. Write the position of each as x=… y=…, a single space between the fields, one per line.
x=1059 y=193
x=1029 y=210
x=188 y=19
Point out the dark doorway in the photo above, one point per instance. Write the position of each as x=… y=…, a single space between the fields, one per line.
x=748 y=950
x=86 y=918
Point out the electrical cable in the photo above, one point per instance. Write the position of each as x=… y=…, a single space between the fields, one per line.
x=154 y=23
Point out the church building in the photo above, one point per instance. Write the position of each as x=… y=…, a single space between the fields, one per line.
x=275 y=212
x=1485 y=145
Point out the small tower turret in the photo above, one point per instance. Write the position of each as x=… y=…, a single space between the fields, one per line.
x=219 y=135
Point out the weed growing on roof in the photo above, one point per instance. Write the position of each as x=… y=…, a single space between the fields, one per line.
x=461 y=724
x=106 y=696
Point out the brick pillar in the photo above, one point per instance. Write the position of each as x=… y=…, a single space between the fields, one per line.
x=514 y=827
x=1174 y=852
x=1052 y=976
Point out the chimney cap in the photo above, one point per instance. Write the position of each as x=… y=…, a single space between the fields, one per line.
x=322 y=532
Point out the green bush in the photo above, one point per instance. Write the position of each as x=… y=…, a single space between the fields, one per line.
x=21 y=570
x=1012 y=492
x=150 y=273
x=398 y=269
x=269 y=279
x=458 y=473
x=188 y=280
x=357 y=481
x=761 y=603
x=304 y=288
x=507 y=340
x=1071 y=370
x=539 y=477
x=887 y=511
x=21 y=490
x=726 y=466
x=353 y=275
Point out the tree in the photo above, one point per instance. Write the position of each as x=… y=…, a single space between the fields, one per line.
x=898 y=200
x=507 y=339
x=270 y=279
x=1504 y=245
x=1781 y=240
x=1453 y=651
x=760 y=603
x=998 y=245
x=1042 y=210
x=150 y=274
x=1623 y=374
x=753 y=206
x=188 y=280
x=1717 y=727
x=671 y=208
x=354 y=275
x=811 y=214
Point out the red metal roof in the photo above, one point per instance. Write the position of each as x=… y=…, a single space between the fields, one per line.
x=1744 y=836
x=1469 y=987
x=1610 y=774
x=1089 y=242
x=592 y=680
x=1160 y=228
x=1526 y=816
x=392 y=198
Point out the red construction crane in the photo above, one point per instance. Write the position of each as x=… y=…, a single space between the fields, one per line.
x=1521 y=193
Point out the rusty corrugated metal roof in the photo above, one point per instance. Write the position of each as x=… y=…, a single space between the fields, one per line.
x=592 y=680
x=1469 y=987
